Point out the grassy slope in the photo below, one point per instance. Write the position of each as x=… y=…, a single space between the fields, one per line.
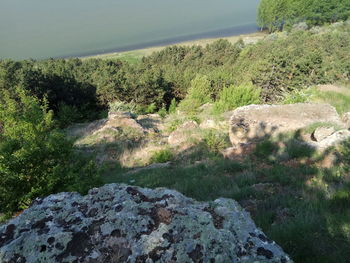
x=298 y=197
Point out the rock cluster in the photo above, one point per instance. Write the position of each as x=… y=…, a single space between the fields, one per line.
x=120 y=223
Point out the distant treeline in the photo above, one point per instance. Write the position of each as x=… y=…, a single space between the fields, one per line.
x=77 y=90
x=278 y=14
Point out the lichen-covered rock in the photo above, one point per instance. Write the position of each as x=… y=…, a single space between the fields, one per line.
x=120 y=223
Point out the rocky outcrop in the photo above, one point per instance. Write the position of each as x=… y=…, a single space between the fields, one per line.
x=152 y=123
x=122 y=119
x=114 y=121
x=120 y=223
x=255 y=122
x=183 y=133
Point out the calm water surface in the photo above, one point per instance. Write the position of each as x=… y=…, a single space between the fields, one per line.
x=60 y=28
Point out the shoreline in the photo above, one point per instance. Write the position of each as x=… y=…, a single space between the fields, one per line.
x=143 y=49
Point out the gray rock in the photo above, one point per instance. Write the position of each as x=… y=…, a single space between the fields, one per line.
x=332 y=140
x=255 y=122
x=346 y=120
x=120 y=223
x=322 y=132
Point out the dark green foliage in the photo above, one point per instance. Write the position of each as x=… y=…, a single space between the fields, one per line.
x=299 y=60
x=173 y=105
x=35 y=158
x=277 y=14
x=162 y=156
x=276 y=66
x=198 y=94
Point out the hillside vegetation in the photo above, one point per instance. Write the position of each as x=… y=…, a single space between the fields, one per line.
x=78 y=90
x=279 y=14
x=168 y=127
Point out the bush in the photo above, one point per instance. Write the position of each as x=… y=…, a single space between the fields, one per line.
x=122 y=106
x=173 y=105
x=216 y=141
x=198 y=94
x=233 y=97
x=162 y=156
x=35 y=158
x=299 y=96
x=66 y=115
x=162 y=112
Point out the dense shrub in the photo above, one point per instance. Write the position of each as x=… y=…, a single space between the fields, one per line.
x=35 y=158
x=216 y=141
x=198 y=94
x=116 y=106
x=86 y=87
x=233 y=97
x=162 y=156
x=277 y=14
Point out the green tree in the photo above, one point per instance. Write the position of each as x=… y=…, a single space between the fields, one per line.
x=233 y=97
x=198 y=94
x=275 y=14
x=35 y=158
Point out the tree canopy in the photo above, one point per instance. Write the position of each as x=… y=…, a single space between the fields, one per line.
x=276 y=14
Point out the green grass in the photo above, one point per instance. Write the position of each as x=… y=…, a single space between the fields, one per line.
x=340 y=101
x=162 y=156
x=340 y=98
x=305 y=208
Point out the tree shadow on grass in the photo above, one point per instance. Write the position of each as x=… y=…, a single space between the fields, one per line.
x=298 y=201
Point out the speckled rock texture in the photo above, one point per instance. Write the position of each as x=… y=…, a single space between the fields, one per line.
x=120 y=223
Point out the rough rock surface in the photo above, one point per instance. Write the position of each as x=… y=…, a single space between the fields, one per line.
x=122 y=119
x=120 y=223
x=332 y=140
x=322 y=132
x=114 y=120
x=346 y=119
x=254 y=122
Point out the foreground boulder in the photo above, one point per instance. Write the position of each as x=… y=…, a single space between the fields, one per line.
x=120 y=223
x=255 y=122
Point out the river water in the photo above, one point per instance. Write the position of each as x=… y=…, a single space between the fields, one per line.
x=61 y=28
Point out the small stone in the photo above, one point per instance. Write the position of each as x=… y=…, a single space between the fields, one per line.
x=321 y=133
